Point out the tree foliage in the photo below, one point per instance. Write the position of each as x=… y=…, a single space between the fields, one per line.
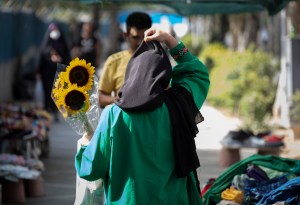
x=245 y=82
x=295 y=109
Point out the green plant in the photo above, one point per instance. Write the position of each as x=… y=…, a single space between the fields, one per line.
x=219 y=61
x=254 y=87
x=243 y=82
x=194 y=48
x=295 y=109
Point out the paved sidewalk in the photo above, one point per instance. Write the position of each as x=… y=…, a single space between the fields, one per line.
x=60 y=176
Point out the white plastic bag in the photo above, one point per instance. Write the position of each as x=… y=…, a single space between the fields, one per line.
x=88 y=193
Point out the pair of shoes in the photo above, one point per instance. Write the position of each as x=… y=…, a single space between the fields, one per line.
x=254 y=141
x=235 y=139
x=272 y=138
x=239 y=135
x=231 y=143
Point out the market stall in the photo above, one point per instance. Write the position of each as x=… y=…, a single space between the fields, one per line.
x=24 y=141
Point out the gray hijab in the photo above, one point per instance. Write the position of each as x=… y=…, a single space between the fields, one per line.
x=148 y=74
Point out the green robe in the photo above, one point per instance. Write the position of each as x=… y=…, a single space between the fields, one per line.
x=133 y=152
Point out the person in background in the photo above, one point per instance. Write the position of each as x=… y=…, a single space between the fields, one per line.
x=143 y=147
x=112 y=76
x=54 y=50
x=88 y=46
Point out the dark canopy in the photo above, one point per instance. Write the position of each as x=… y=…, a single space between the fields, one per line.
x=192 y=7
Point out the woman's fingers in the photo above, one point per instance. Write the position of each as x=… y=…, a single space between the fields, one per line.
x=151 y=34
x=156 y=34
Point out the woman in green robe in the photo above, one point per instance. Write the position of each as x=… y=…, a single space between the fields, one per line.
x=133 y=148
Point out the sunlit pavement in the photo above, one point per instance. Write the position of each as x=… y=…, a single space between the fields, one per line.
x=214 y=127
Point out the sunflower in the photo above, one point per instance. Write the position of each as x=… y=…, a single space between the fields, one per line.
x=56 y=91
x=59 y=84
x=61 y=79
x=74 y=100
x=80 y=73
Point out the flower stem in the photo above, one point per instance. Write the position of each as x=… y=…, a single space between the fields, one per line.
x=86 y=124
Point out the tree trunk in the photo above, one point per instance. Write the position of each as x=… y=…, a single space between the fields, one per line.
x=220 y=27
x=295 y=18
x=251 y=30
x=236 y=26
x=114 y=29
x=95 y=16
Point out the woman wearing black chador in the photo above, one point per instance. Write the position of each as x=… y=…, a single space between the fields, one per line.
x=54 y=50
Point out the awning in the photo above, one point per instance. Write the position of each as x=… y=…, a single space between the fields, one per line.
x=192 y=7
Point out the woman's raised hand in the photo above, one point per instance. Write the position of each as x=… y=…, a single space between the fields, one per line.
x=161 y=36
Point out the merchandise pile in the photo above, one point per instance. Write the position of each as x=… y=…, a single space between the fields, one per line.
x=20 y=123
x=24 y=140
x=14 y=167
x=256 y=180
x=245 y=138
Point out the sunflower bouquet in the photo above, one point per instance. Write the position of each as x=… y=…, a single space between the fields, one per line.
x=75 y=95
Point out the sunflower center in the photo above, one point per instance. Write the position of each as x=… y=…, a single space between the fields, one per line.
x=79 y=75
x=75 y=100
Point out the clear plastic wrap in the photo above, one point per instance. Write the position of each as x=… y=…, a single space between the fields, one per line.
x=75 y=95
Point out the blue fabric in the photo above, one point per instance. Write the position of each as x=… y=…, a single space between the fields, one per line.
x=288 y=192
x=255 y=190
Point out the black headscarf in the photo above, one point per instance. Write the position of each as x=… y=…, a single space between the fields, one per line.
x=147 y=76
x=60 y=45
